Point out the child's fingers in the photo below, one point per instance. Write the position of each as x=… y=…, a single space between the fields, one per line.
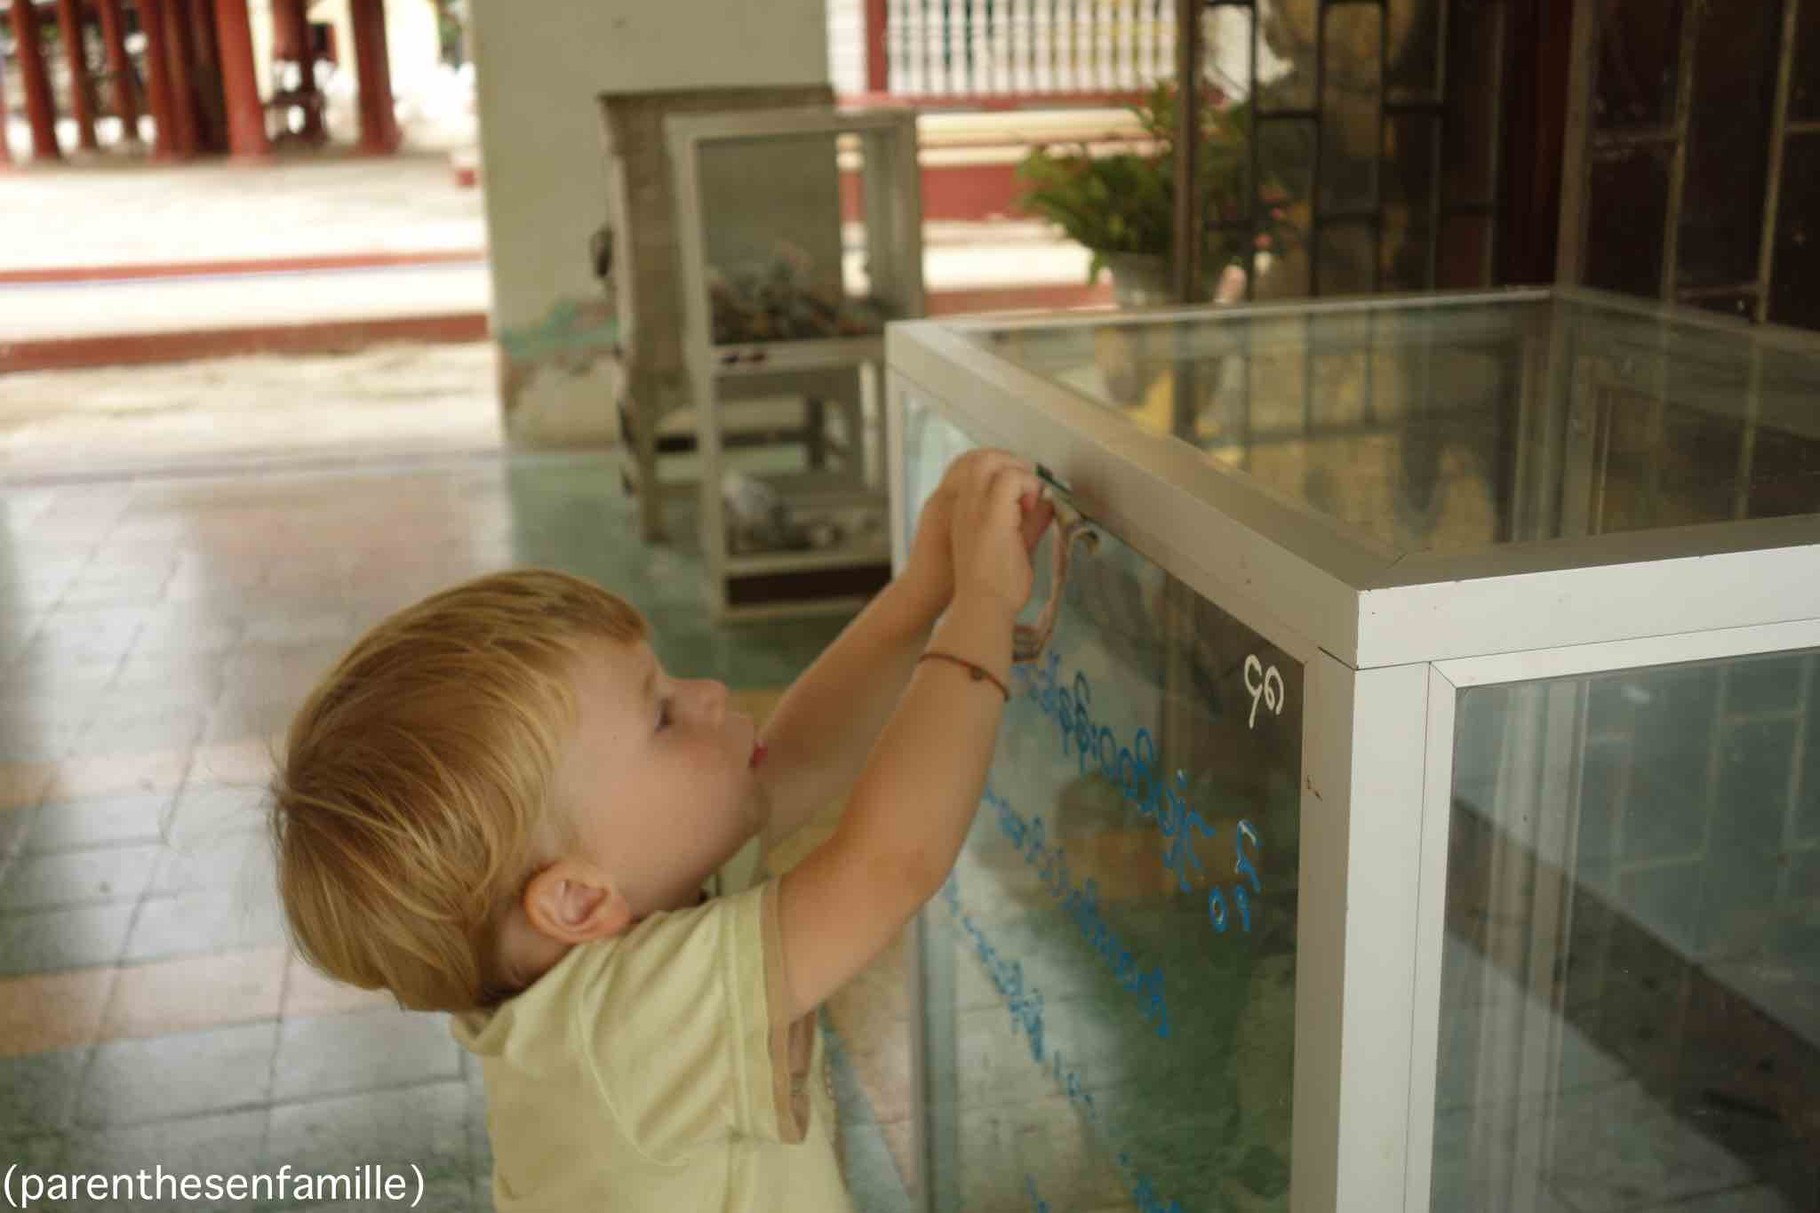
x=1011 y=483
x=1036 y=520
x=988 y=464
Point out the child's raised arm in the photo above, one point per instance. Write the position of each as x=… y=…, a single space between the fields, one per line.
x=913 y=803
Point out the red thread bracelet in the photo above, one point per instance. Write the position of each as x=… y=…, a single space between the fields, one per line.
x=980 y=673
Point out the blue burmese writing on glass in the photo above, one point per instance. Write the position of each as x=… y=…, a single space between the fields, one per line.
x=1132 y=769
x=1026 y=1004
x=1007 y=975
x=1217 y=911
x=1082 y=907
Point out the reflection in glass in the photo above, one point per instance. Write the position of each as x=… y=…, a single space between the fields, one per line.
x=1413 y=70
x=1350 y=100
x=1475 y=34
x=1796 y=266
x=782 y=264
x=1288 y=30
x=1626 y=210
x=1639 y=63
x=1109 y=977
x=1409 y=152
x=1804 y=82
x=1465 y=253
x=1344 y=255
x=1728 y=130
x=802 y=472
x=1631 y=977
x=1457 y=428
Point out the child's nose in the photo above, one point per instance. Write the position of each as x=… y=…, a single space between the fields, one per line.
x=711 y=700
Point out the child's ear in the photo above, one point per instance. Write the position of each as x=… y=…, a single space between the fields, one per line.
x=574 y=903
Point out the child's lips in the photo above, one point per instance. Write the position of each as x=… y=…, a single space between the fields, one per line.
x=758 y=754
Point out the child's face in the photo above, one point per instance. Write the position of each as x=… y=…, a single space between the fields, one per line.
x=658 y=780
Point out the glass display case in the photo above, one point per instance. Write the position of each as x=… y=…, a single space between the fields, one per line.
x=1408 y=798
x=798 y=238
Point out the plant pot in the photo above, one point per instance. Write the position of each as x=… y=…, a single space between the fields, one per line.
x=1141 y=279
x=1148 y=280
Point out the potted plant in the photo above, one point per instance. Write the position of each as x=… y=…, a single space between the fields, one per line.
x=1122 y=206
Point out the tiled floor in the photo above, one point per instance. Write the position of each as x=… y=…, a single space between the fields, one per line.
x=272 y=409
x=154 y=637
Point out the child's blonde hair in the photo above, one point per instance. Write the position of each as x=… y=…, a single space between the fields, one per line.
x=416 y=774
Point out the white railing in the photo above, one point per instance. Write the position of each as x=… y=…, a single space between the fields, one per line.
x=1011 y=48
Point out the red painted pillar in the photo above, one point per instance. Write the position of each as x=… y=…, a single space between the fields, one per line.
x=39 y=107
x=245 y=116
x=119 y=67
x=82 y=89
x=205 y=73
x=158 y=79
x=878 y=77
x=181 y=43
x=373 y=77
x=6 y=150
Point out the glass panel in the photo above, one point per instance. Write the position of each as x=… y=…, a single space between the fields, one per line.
x=1409 y=177
x=1286 y=172
x=1350 y=96
x=1465 y=259
x=1448 y=428
x=1474 y=57
x=1729 y=122
x=1626 y=217
x=1741 y=304
x=1409 y=159
x=788 y=234
x=1795 y=278
x=1412 y=72
x=1346 y=252
x=1639 y=59
x=1286 y=75
x=1109 y=975
x=1781 y=465
x=800 y=474
x=802 y=238
x=1804 y=85
x=1406 y=251
x=1630 y=983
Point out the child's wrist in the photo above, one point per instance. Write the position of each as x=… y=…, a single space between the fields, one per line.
x=924 y=596
x=978 y=627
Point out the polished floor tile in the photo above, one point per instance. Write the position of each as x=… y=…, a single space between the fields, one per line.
x=74 y=937
x=192 y=993
x=221 y=1144
x=183 y=1074
x=68 y=878
x=76 y=1000
x=40 y=1091
x=364 y=1051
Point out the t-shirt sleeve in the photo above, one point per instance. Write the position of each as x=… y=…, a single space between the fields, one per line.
x=684 y=1022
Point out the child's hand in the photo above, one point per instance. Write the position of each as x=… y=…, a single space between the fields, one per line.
x=930 y=568
x=999 y=516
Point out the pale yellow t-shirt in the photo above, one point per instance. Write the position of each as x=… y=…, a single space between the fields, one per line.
x=653 y=1072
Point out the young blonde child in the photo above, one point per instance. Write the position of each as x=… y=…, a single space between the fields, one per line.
x=498 y=804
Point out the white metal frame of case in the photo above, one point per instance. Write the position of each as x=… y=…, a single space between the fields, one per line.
x=1387 y=645
x=892 y=194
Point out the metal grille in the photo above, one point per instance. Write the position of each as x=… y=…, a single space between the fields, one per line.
x=1378 y=121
